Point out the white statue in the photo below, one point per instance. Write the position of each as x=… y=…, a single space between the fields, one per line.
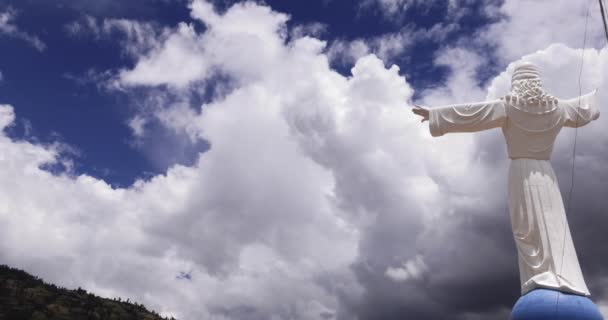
x=530 y=120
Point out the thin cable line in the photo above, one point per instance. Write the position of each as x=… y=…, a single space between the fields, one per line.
x=605 y=23
x=580 y=92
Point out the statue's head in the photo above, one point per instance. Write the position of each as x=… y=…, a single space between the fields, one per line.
x=527 y=87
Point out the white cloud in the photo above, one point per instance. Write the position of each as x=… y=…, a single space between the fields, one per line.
x=137 y=125
x=393 y=7
x=461 y=86
x=176 y=63
x=314 y=29
x=347 y=52
x=389 y=46
x=411 y=269
x=245 y=28
x=240 y=246
x=7 y=28
x=87 y=25
x=260 y=213
x=523 y=30
x=135 y=37
x=6 y=116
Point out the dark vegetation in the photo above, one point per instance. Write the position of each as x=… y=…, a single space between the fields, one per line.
x=23 y=296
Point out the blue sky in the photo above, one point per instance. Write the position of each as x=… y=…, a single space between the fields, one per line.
x=250 y=160
x=52 y=105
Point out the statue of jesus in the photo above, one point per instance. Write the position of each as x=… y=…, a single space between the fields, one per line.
x=530 y=119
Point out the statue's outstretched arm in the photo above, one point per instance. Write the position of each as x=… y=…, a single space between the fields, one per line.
x=580 y=111
x=468 y=117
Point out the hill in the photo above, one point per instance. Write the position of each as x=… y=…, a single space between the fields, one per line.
x=23 y=296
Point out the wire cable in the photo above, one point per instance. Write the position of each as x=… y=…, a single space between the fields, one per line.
x=605 y=23
x=572 y=170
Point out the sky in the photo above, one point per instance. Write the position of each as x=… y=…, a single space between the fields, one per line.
x=259 y=160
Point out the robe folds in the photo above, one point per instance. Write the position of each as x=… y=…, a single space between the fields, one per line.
x=546 y=255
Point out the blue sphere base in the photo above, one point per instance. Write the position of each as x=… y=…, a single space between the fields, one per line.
x=542 y=304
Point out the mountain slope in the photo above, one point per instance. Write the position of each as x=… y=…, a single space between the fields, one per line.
x=23 y=296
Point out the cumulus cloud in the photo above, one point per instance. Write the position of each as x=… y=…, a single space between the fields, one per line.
x=393 y=7
x=321 y=197
x=245 y=28
x=348 y=52
x=413 y=268
x=136 y=37
x=176 y=63
x=239 y=247
x=8 y=28
x=522 y=30
x=389 y=46
x=242 y=248
x=395 y=10
x=314 y=29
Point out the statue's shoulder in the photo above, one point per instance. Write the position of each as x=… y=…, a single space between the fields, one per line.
x=585 y=97
x=521 y=106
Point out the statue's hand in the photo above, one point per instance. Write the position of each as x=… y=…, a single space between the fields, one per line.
x=424 y=113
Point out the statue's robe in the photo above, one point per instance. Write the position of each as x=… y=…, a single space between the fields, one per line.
x=546 y=254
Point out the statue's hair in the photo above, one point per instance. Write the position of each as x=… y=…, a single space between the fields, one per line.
x=527 y=90
x=530 y=92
